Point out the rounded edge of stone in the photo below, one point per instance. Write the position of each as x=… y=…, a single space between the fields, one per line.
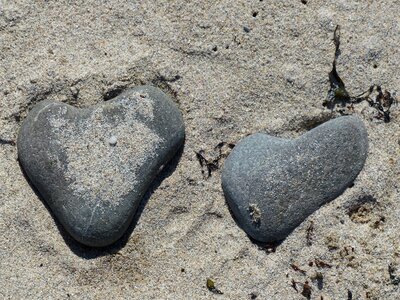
x=88 y=241
x=167 y=104
x=226 y=181
x=30 y=119
x=359 y=127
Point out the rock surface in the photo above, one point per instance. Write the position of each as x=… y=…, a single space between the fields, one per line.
x=274 y=184
x=93 y=165
x=228 y=83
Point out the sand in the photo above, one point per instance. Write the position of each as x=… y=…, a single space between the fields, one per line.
x=234 y=68
x=109 y=174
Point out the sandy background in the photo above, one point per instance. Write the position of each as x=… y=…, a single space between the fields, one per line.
x=234 y=68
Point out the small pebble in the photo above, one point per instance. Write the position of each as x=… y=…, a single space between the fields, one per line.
x=112 y=140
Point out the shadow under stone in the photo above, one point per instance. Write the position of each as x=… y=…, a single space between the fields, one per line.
x=87 y=252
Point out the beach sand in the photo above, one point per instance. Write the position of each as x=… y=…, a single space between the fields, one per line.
x=233 y=68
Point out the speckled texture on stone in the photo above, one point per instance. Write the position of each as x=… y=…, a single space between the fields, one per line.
x=272 y=79
x=274 y=184
x=93 y=165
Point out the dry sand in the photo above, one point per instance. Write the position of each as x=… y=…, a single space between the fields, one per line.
x=234 y=68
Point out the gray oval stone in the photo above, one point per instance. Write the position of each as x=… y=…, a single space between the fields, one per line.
x=273 y=184
x=93 y=166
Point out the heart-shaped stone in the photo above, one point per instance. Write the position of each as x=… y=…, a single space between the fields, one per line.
x=93 y=166
x=273 y=184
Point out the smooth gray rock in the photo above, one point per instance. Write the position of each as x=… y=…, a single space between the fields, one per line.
x=93 y=166
x=273 y=184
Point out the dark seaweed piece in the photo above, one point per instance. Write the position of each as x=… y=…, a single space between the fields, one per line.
x=338 y=95
x=321 y=264
x=294 y=285
x=210 y=165
x=306 y=290
x=349 y=295
x=222 y=144
x=395 y=280
x=297 y=269
x=383 y=103
x=7 y=142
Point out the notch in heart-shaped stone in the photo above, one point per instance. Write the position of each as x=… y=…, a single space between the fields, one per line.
x=93 y=166
x=273 y=184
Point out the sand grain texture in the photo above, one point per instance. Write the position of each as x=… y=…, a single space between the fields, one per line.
x=228 y=82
